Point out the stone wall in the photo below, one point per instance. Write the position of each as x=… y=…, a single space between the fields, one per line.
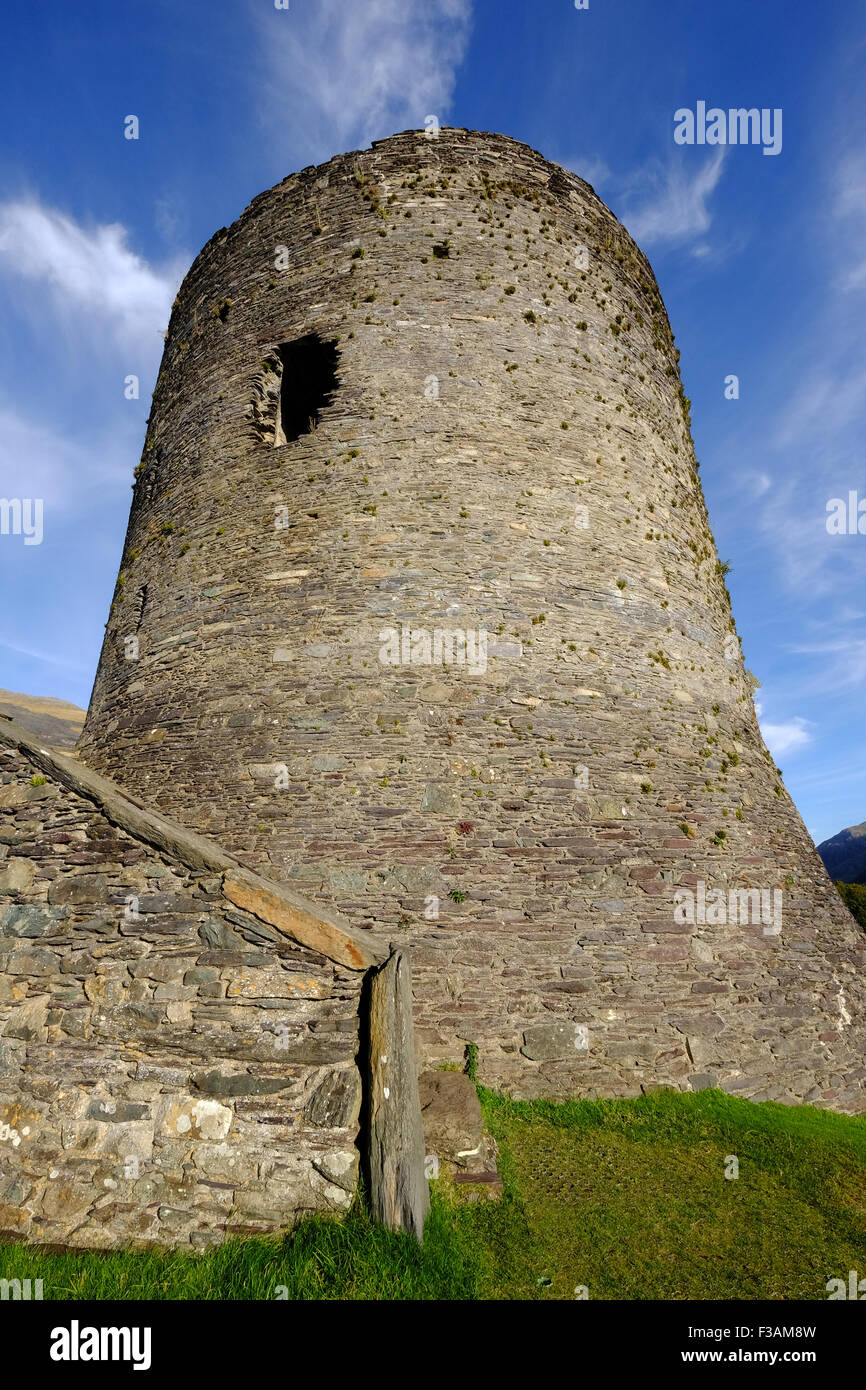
x=171 y=1069
x=507 y=449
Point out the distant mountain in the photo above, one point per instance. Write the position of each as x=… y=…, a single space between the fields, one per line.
x=56 y=721
x=844 y=855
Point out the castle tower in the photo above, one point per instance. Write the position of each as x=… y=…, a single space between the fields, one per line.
x=420 y=611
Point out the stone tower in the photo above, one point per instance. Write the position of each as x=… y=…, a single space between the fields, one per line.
x=420 y=611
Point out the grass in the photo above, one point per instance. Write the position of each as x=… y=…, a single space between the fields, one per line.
x=630 y=1199
x=626 y=1198
x=322 y=1258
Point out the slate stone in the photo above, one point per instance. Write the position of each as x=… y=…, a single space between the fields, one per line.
x=79 y=890
x=554 y=1042
x=336 y=1103
x=441 y=798
x=340 y=1167
x=220 y=936
x=451 y=1115
x=117 y=1112
x=26 y=921
x=216 y=1083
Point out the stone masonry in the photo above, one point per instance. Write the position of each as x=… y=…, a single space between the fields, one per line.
x=420 y=611
x=172 y=1070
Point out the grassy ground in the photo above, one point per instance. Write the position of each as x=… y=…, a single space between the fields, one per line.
x=627 y=1198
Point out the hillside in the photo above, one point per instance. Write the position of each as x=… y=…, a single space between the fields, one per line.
x=844 y=855
x=56 y=721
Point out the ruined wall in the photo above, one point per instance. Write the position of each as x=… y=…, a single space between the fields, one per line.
x=506 y=449
x=172 y=1077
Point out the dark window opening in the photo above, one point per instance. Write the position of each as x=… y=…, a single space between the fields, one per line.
x=307 y=385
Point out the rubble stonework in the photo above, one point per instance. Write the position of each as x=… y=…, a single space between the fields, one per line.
x=504 y=459
x=172 y=1070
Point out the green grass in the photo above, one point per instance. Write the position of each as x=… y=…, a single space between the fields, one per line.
x=322 y=1258
x=628 y=1198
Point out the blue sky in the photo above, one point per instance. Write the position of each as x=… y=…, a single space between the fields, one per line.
x=761 y=261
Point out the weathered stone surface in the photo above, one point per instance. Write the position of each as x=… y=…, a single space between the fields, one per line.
x=116 y=1112
x=220 y=935
x=79 y=889
x=271 y=984
x=451 y=1115
x=399 y=1195
x=28 y=1020
x=129 y=1070
x=179 y=1115
x=16 y=875
x=340 y=1167
x=26 y=921
x=337 y=1101
x=548 y=1042
x=215 y=1083
x=317 y=929
x=441 y=799
x=703 y=1081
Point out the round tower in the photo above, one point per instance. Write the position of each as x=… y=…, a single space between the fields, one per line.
x=420 y=610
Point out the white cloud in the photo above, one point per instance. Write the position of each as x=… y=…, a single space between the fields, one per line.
x=676 y=207
x=756 y=481
x=89 y=271
x=786 y=737
x=39 y=461
x=67 y=434
x=821 y=404
x=842 y=664
x=788 y=522
x=341 y=74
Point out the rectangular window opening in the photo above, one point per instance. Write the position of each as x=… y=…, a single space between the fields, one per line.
x=308 y=381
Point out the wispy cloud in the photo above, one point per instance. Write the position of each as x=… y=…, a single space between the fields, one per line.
x=48 y=658
x=89 y=270
x=340 y=75
x=786 y=737
x=672 y=204
x=821 y=404
x=113 y=304
x=37 y=460
x=841 y=662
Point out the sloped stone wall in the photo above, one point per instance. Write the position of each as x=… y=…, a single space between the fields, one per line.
x=172 y=1070
x=507 y=450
